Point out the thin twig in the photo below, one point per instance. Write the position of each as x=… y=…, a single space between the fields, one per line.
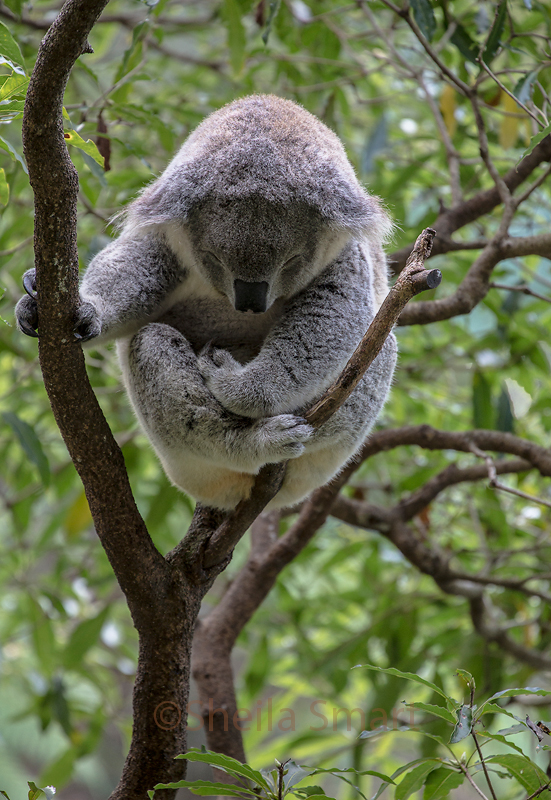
x=17 y=248
x=486 y=773
x=469 y=777
x=523 y=289
x=495 y=484
x=539 y=791
x=532 y=498
x=506 y=90
x=537 y=183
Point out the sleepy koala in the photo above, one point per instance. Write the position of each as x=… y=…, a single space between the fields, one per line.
x=241 y=283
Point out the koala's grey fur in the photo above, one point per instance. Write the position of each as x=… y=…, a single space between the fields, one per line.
x=259 y=209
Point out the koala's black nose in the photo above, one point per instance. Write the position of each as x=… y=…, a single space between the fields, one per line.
x=250 y=296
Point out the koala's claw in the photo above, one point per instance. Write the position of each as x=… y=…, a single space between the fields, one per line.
x=88 y=324
x=27 y=329
x=26 y=315
x=29 y=283
x=26 y=311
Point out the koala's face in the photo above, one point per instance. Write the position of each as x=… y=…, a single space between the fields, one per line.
x=255 y=252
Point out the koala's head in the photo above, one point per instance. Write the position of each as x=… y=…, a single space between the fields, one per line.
x=267 y=196
x=256 y=251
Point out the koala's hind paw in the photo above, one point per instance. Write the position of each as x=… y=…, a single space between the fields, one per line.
x=282 y=437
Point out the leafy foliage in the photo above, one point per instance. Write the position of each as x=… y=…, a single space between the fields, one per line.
x=68 y=646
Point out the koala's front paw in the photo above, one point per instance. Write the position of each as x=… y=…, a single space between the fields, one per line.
x=282 y=437
x=87 y=324
x=26 y=310
x=221 y=373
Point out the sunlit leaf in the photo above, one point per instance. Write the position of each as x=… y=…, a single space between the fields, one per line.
x=9 y=47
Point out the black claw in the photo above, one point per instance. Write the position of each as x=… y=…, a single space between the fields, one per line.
x=84 y=338
x=27 y=329
x=29 y=283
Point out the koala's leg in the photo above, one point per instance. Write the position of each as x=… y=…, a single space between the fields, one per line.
x=208 y=451
x=334 y=444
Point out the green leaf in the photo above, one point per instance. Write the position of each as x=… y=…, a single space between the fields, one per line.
x=30 y=443
x=526 y=690
x=12 y=86
x=236 y=35
x=467 y=677
x=226 y=763
x=47 y=791
x=497 y=737
x=438 y=711
x=42 y=636
x=15 y=5
x=337 y=773
x=132 y=56
x=414 y=780
x=494 y=39
x=483 y=416
x=274 y=8
x=83 y=638
x=208 y=788
x=505 y=420
x=464 y=724
x=60 y=771
x=9 y=47
x=524 y=771
x=424 y=17
x=461 y=39
x=9 y=148
x=89 y=147
x=525 y=86
x=4 y=188
x=440 y=783
x=537 y=139
x=408 y=676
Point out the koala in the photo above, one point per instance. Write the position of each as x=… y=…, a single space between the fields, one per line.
x=241 y=282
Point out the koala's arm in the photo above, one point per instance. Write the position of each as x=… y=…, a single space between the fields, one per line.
x=128 y=282
x=306 y=350
x=124 y=285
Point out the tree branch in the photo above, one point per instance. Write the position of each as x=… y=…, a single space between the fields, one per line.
x=481 y=204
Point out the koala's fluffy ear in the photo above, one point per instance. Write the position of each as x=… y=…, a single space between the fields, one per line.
x=167 y=199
